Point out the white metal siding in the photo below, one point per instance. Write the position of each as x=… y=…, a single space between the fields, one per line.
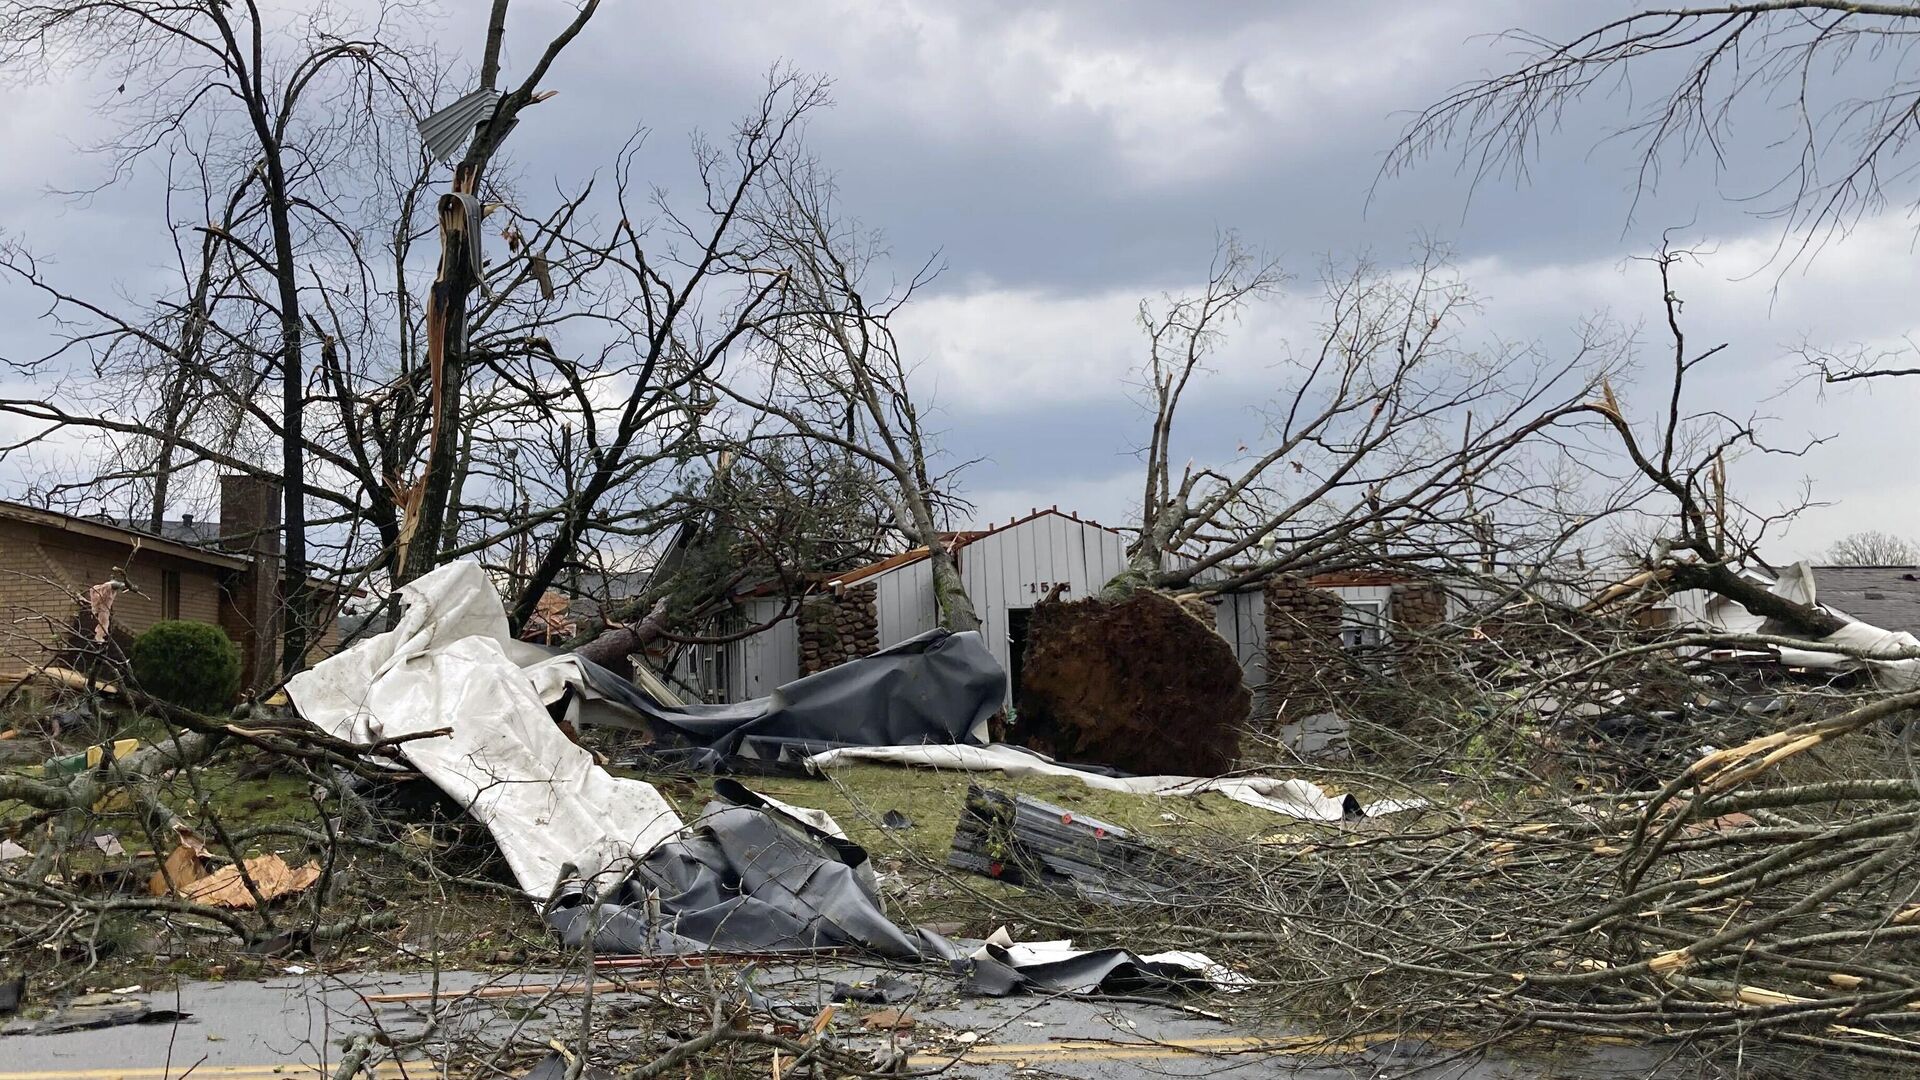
x=1015 y=567
x=769 y=658
x=903 y=603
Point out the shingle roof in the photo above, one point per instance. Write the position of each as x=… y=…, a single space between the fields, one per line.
x=1884 y=596
x=180 y=530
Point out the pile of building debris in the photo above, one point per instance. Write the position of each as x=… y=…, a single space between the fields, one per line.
x=608 y=859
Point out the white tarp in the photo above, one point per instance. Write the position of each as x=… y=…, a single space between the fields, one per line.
x=1866 y=645
x=450 y=663
x=1294 y=798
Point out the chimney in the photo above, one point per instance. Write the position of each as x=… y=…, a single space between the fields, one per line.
x=249 y=514
x=187 y=520
x=250 y=604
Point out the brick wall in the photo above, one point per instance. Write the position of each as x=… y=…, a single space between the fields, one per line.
x=45 y=572
x=837 y=627
x=1419 y=605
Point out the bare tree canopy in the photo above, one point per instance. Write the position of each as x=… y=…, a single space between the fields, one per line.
x=1395 y=433
x=1872 y=548
x=1824 y=88
x=435 y=364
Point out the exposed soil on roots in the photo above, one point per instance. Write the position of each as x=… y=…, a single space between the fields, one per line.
x=1140 y=684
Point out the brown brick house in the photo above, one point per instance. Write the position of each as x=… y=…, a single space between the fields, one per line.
x=207 y=573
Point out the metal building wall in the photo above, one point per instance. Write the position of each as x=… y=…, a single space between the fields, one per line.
x=769 y=658
x=1015 y=568
x=903 y=601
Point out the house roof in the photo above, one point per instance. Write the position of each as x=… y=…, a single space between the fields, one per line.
x=185 y=530
x=107 y=530
x=956 y=541
x=1884 y=596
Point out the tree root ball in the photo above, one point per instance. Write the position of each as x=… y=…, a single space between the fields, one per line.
x=1140 y=684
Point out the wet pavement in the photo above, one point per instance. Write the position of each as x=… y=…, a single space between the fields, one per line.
x=297 y=1026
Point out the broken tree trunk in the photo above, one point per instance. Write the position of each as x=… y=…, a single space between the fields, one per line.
x=1140 y=684
x=613 y=649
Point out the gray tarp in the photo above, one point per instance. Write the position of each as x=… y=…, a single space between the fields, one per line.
x=751 y=875
x=938 y=687
x=746 y=876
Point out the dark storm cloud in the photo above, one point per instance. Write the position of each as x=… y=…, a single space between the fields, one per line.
x=1064 y=159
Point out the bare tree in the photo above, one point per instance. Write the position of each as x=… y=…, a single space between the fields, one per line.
x=540 y=408
x=1873 y=548
x=1703 y=76
x=1391 y=438
x=835 y=373
x=257 y=88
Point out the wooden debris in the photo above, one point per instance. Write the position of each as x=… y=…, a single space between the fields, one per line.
x=180 y=869
x=1025 y=841
x=887 y=1020
x=270 y=873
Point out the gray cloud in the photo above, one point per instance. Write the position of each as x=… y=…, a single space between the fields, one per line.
x=1080 y=154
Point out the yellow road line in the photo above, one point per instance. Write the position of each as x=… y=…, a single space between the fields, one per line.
x=1063 y=1049
x=221 y=1072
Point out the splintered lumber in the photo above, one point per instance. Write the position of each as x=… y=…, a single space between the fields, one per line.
x=1024 y=841
x=272 y=879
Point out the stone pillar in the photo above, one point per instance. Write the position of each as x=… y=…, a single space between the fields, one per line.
x=1303 y=645
x=835 y=627
x=250 y=608
x=1418 y=609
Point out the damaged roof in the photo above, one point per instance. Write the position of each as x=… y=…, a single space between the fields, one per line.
x=1883 y=596
x=956 y=541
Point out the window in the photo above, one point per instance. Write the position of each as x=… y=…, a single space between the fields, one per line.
x=1363 y=624
x=170 y=594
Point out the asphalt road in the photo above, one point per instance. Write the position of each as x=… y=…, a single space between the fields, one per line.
x=296 y=1027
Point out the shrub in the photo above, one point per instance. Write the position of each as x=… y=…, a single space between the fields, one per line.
x=190 y=664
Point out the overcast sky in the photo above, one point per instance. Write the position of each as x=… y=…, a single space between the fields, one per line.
x=1066 y=159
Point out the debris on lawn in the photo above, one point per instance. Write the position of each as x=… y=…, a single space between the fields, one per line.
x=88 y=1011
x=1293 y=798
x=227 y=887
x=444 y=685
x=1024 y=841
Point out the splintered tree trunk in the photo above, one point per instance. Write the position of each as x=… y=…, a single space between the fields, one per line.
x=1140 y=684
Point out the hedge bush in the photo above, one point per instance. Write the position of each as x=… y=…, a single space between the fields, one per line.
x=194 y=665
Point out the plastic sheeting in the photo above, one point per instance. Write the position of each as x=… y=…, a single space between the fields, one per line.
x=451 y=664
x=746 y=876
x=754 y=875
x=1001 y=967
x=1893 y=656
x=937 y=687
x=1294 y=798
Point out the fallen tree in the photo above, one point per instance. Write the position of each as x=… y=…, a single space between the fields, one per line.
x=1140 y=684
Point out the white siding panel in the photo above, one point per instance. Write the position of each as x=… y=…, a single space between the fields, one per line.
x=768 y=659
x=904 y=603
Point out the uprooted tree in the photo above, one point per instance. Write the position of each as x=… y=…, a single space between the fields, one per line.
x=1393 y=443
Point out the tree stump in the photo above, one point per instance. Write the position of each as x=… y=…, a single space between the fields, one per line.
x=1139 y=684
